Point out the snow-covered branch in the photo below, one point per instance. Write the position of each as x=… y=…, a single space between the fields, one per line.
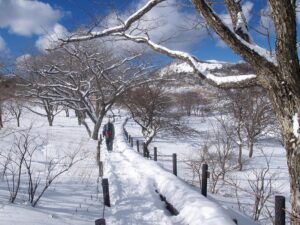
x=228 y=81
x=120 y=28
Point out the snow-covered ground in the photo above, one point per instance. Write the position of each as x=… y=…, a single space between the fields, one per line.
x=75 y=197
x=240 y=197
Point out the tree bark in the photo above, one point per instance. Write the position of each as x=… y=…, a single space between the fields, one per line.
x=251 y=149
x=67 y=112
x=50 y=120
x=1 y=120
x=18 y=120
x=97 y=126
x=287 y=110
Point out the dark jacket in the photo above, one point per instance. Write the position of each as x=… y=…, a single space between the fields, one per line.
x=109 y=131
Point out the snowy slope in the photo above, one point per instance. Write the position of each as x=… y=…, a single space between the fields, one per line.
x=178 y=67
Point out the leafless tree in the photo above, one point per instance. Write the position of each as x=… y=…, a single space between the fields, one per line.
x=7 y=87
x=252 y=113
x=15 y=107
x=150 y=107
x=195 y=160
x=218 y=153
x=54 y=169
x=187 y=101
x=20 y=159
x=261 y=184
x=87 y=78
x=50 y=108
x=14 y=164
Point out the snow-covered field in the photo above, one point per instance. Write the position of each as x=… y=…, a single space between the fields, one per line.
x=72 y=198
x=75 y=197
x=236 y=192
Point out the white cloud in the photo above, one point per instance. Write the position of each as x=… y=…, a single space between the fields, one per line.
x=27 y=17
x=49 y=39
x=167 y=22
x=170 y=20
x=2 y=45
x=21 y=60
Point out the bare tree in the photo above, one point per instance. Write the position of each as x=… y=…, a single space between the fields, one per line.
x=217 y=152
x=50 y=108
x=7 y=88
x=187 y=101
x=261 y=188
x=195 y=161
x=252 y=114
x=14 y=164
x=15 y=107
x=277 y=73
x=54 y=169
x=20 y=158
x=150 y=107
x=87 y=78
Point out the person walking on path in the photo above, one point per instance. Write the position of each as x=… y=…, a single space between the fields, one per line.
x=109 y=134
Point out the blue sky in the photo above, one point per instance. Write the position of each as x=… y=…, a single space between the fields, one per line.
x=25 y=26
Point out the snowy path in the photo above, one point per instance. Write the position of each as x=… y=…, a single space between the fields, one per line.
x=133 y=181
x=133 y=201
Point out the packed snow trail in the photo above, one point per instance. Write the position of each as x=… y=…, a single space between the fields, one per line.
x=133 y=201
x=133 y=181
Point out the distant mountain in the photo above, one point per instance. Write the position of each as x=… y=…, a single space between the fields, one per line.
x=184 y=72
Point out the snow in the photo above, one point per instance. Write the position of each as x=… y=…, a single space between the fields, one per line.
x=183 y=67
x=71 y=199
x=204 y=68
x=240 y=24
x=74 y=198
x=296 y=125
x=188 y=148
x=129 y=166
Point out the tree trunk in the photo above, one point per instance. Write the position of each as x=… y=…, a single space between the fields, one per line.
x=18 y=119
x=293 y=157
x=240 y=159
x=50 y=120
x=97 y=126
x=67 y=113
x=287 y=109
x=250 y=145
x=1 y=121
x=87 y=127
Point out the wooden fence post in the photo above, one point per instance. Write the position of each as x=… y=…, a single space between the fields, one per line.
x=144 y=150
x=137 y=146
x=100 y=222
x=105 y=188
x=155 y=153
x=204 y=179
x=174 y=156
x=100 y=169
x=279 y=210
x=131 y=142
